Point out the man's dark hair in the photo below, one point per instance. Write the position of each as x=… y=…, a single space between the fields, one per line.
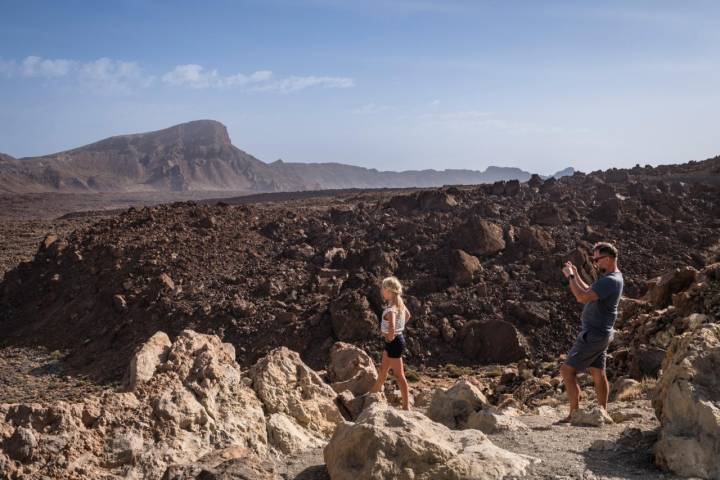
x=606 y=248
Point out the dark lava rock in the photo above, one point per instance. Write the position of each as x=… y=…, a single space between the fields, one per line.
x=352 y=318
x=462 y=267
x=479 y=237
x=493 y=341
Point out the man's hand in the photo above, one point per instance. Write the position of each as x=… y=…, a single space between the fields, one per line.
x=569 y=269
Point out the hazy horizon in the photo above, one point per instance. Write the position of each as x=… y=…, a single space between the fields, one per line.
x=396 y=85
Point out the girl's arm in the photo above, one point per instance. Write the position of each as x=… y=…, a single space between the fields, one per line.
x=390 y=335
x=408 y=316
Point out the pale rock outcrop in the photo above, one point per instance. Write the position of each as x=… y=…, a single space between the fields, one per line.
x=625 y=388
x=351 y=406
x=232 y=463
x=490 y=422
x=286 y=385
x=351 y=369
x=151 y=354
x=593 y=417
x=453 y=407
x=195 y=402
x=288 y=437
x=687 y=403
x=388 y=443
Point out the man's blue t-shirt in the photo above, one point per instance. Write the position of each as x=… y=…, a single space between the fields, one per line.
x=599 y=316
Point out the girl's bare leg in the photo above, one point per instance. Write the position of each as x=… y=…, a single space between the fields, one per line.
x=382 y=374
x=396 y=364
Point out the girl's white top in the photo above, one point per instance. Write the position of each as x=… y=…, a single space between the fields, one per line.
x=399 y=320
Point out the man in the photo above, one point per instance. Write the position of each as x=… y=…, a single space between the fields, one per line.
x=598 y=317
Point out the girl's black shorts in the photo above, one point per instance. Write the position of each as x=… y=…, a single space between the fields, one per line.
x=395 y=348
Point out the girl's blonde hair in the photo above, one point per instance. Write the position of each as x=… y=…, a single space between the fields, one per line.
x=392 y=284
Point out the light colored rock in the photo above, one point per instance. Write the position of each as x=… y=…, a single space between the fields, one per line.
x=144 y=362
x=687 y=403
x=288 y=437
x=695 y=320
x=388 y=443
x=351 y=369
x=194 y=403
x=594 y=417
x=622 y=415
x=353 y=406
x=489 y=422
x=423 y=398
x=21 y=444
x=453 y=407
x=625 y=389
x=178 y=405
x=286 y=385
x=236 y=463
x=548 y=411
x=125 y=447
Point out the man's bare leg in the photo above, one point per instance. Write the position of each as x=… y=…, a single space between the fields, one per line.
x=602 y=387
x=572 y=387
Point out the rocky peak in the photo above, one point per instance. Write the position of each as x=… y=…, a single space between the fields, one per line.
x=198 y=133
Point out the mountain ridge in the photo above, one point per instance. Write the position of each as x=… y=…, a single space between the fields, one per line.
x=199 y=156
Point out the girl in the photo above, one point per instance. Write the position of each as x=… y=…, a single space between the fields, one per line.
x=394 y=317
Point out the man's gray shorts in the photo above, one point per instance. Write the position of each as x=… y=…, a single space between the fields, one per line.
x=590 y=350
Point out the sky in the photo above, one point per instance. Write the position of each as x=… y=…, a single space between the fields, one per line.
x=393 y=85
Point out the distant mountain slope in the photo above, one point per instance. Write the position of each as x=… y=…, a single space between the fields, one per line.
x=566 y=172
x=318 y=176
x=192 y=156
x=198 y=156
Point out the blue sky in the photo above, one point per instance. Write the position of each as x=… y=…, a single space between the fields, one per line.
x=401 y=84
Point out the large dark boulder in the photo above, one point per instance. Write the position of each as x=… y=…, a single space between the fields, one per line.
x=462 y=267
x=352 y=318
x=479 y=237
x=529 y=313
x=609 y=211
x=493 y=341
x=436 y=200
x=548 y=214
x=533 y=239
x=372 y=259
x=661 y=289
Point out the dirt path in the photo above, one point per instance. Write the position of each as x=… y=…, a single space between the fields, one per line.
x=620 y=451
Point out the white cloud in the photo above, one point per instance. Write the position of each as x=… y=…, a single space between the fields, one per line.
x=33 y=66
x=294 y=83
x=197 y=76
x=370 y=109
x=107 y=75
x=104 y=75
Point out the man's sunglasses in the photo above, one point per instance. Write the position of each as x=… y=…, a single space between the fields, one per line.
x=597 y=259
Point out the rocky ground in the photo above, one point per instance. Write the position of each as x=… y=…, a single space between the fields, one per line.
x=492 y=319
x=482 y=267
